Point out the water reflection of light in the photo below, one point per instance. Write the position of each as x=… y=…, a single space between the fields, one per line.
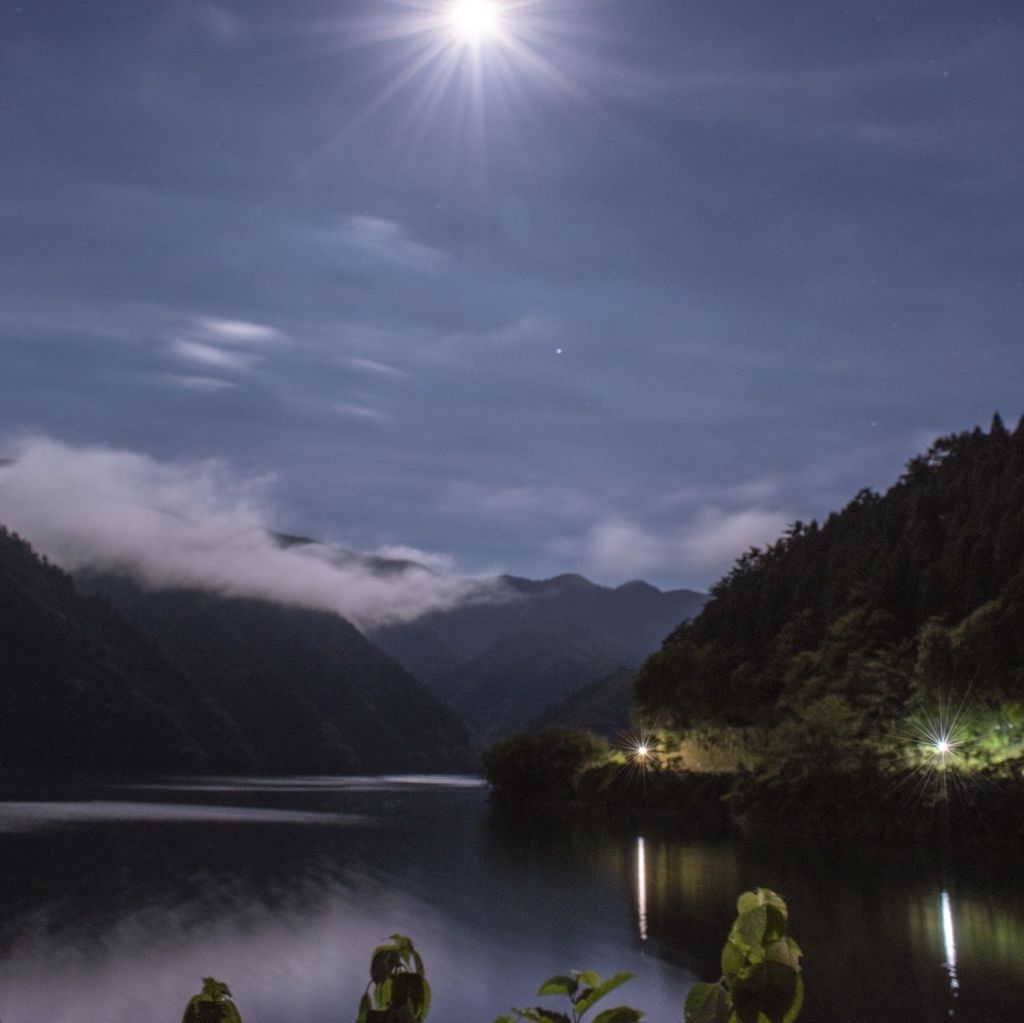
x=949 y=940
x=641 y=887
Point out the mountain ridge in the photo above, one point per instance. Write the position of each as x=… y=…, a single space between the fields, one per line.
x=81 y=690
x=476 y=656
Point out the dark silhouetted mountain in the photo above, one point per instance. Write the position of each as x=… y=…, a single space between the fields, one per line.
x=308 y=690
x=501 y=664
x=892 y=603
x=603 y=707
x=81 y=691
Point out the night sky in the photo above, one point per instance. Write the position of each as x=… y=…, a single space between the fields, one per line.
x=620 y=288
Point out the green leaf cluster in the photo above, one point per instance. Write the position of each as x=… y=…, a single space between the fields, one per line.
x=212 y=1005
x=583 y=989
x=398 y=991
x=761 y=980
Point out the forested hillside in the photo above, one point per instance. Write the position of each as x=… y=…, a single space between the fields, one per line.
x=82 y=691
x=603 y=707
x=909 y=598
x=859 y=678
x=198 y=683
x=307 y=689
x=502 y=664
x=915 y=593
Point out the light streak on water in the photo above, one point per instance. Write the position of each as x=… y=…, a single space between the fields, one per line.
x=641 y=887
x=949 y=940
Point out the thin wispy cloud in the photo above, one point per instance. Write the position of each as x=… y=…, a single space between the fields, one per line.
x=216 y=22
x=209 y=355
x=241 y=332
x=226 y=344
x=202 y=384
x=703 y=547
x=353 y=410
x=527 y=328
x=506 y=501
x=377 y=240
x=749 y=492
x=371 y=366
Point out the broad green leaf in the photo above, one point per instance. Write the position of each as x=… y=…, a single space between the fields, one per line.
x=385 y=960
x=749 y=1015
x=216 y=989
x=737 y=962
x=411 y=991
x=213 y=1002
x=785 y=953
x=602 y=988
x=748 y=901
x=620 y=1014
x=798 y=1002
x=560 y=985
x=775 y=925
x=542 y=1015
x=771 y=995
x=382 y=994
x=418 y=961
x=783 y=993
x=748 y=930
x=707 y=1003
x=761 y=897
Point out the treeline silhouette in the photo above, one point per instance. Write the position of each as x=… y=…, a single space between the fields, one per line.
x=198 y=683
x=913 y=594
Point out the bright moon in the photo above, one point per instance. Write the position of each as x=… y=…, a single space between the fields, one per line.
x=474 y=20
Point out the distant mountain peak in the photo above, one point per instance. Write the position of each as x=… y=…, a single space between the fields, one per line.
x=502 y=663
x=637 y=586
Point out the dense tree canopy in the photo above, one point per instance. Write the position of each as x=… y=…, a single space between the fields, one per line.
x=897 y=597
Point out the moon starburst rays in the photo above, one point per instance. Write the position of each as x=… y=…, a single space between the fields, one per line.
x=465 y=67
x=475 y=20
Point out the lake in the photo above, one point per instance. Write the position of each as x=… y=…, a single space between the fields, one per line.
x=115 y=902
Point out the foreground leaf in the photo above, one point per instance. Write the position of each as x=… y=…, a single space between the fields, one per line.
x=560 y=985
x=621 y=1014
x=598 y=992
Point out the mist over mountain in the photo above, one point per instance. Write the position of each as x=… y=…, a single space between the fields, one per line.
x=198 y=525
x=259 y=620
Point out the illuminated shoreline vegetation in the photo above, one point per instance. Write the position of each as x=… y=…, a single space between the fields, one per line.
x=857 y=679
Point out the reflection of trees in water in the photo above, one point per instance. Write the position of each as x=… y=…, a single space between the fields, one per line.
x=690 y=887
x=860 y=912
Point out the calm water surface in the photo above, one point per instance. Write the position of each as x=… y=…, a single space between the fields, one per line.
x=115 y=903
